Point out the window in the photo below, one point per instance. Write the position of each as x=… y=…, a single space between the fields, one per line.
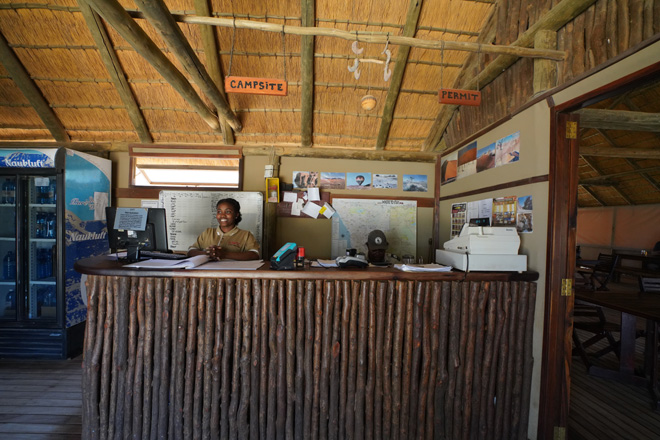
x=166 y=166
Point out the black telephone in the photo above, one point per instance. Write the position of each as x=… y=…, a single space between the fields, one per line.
x=285 y=257
x=349 y=261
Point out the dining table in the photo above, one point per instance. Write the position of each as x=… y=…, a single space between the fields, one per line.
x=632 y=305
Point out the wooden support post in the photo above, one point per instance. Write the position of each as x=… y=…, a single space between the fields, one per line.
x=545 y=71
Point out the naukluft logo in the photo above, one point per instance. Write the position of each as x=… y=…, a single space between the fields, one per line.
x=77 y=202
x=79 y=236
x=26 y=160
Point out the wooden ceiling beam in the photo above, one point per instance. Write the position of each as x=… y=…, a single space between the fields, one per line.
x=606 y=119
x=620 y=174
x=161 y=19
x=409 y=30
x=593 y=195
x=307 y=75
x=30 y=90
x=117 y=76
x=370 y=37
x=113 y=13
x=597 y=169
x=213 y=65
x=631 y=153
x=553 y=20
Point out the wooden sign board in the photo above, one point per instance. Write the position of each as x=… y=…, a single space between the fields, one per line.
x=255 y=86
x=459 y=97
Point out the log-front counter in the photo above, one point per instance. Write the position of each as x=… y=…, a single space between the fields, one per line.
x=314 y=353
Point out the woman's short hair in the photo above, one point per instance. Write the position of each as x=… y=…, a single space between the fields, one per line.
x=234 y=204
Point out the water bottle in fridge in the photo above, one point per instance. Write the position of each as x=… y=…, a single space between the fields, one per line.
x=11 y=192
x=9 y=266
x=50 y=225
x=10 y=300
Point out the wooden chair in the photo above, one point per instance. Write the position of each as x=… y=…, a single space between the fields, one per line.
x=596 y=278
x=591 y=319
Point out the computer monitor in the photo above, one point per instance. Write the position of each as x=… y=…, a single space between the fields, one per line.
x=153 y=237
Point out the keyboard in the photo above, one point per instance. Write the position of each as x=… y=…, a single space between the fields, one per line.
x=162 y=255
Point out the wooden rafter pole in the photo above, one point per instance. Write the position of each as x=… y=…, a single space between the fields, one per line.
x=213 y=63
x=631 y=153
x=553 y=20
x=307 y=75
x=161 y=19
x=589 y=161
x=118 y=18
x=621 y=174
x=409 y=30
x=653 y=182
x=117 y=76
x=22 y=79
x=370 y=37
x=605 y=119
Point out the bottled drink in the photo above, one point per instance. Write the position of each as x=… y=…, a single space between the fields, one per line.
x=42 y=194
x=52 y=191
x=50 y=225
x=41 y=225
x=9 y=266
x=10 y=300
x=5 y=188
x=11 y=192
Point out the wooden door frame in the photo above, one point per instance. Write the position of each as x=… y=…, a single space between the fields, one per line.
x=561 y=242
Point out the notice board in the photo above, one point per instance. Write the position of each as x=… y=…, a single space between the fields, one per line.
x=189 y=213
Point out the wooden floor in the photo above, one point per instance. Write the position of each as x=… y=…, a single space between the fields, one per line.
x=603 y=409
x=40 y=400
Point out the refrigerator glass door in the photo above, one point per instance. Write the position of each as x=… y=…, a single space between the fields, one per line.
x=8 y=249
x=42 y=234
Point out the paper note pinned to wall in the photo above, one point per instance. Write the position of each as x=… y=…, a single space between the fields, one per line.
x=290 y=196
x=312 y=209
x=313 y=194
x=327 y=210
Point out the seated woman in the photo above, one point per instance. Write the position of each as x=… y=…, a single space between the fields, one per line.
x=226 y=241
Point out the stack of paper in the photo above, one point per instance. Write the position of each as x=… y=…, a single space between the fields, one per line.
x=198 y=262
x=422 y=267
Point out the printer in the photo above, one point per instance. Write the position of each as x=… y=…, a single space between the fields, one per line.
x=483 y=248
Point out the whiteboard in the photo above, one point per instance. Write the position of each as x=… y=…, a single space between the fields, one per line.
x=189 y=213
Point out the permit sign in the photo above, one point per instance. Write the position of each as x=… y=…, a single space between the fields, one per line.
x=255 y=86
x=459 y=97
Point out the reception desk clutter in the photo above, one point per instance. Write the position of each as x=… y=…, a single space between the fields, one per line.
x=320 y=353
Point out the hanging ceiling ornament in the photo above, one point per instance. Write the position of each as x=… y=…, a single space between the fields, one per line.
x=356 y=64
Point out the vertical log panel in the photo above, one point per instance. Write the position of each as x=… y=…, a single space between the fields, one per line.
x=333 y=412
x=612 y=29
x=300 y=359
x=326 y=350
x=89 y=410
x=407 y=361
x=137 y=377
x=316 y=366
x=528 y=361
x=440 y=427
x=106 y=374
x=343 y=369
x=179 y=370
x=457 y=422
x=272 y=361
x=416 y=349
x=370 y=362
x=218 y=345
x=209 y=340
x=656 y=17
x=502 y=363
x=165 y=359
x=115 y=418
x=196 y=421
x=637 y=18
x=589 y=17
x=378 y=361
x=281 y=361
x=290 y=356
x=424 y=389
x=599 y=42
x=434 y=327
x=474 y=288
x=623 y=24
x=236 y=342
x=502 y=308
x=518 y=374
x=177 y=347
x=255 y=409
x=189 y=375
x=397 y=350
x=264 y=359
x=489 y=354
x=132 y=350
x=157 y=367
x=243 y=427
x=479 y=359
x=648 y=19
x=147 y=398
x=511 y=336
x=352 y=361
x=309 y=358
x=453 y=359
x=227 y=353
x=387 y=361
x=577 y=49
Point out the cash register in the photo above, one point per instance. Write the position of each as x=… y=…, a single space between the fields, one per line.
x=483 y=248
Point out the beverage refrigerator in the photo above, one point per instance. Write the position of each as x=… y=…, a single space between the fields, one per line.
x=52 y=213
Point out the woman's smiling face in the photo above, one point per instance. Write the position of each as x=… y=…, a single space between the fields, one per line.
x=226 y=215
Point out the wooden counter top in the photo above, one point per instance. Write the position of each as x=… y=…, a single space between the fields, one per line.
x=109 y=265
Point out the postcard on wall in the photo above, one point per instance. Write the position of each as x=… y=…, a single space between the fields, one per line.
x=480 y=209
x=305 y=179
x=467 y=160
x=525 y=217
x=415 y=182
x=448 y=168
x=486 y=158
x=387 y=181
x=504 y=211
x=507 y=149
x=358 y=180
x=458 y=218
x=333 y=180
